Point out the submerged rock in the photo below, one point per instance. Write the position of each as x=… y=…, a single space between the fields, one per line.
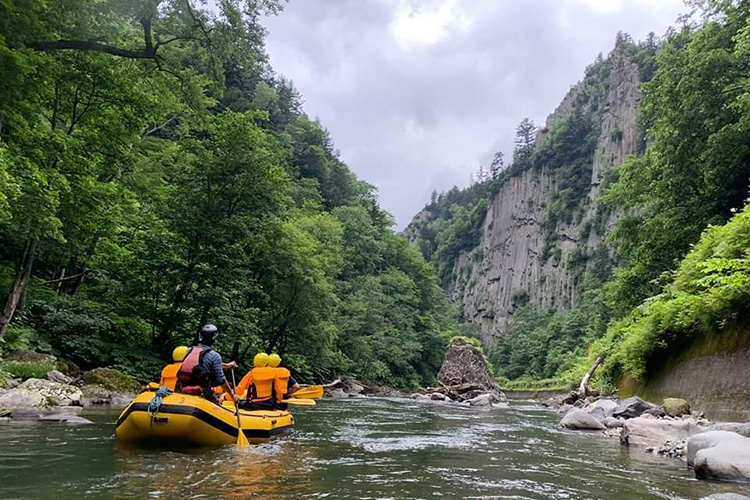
x=676 y=407
x=581 y=420
x=66 y=418
x=720 y=455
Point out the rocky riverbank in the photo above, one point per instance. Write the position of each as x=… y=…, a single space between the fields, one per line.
x=58 y=397
x=717 y=451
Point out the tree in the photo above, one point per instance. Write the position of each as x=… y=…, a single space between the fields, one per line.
x=525 y=137
x=497 y=165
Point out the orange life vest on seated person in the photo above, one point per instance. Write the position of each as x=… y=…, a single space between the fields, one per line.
x=258 y=384
x=169 y=375
x=282 y=383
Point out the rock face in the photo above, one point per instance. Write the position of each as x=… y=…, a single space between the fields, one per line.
x=720 y=455
x=112 y=380
x=580 y=419
x=741 y=429
x=508 y=264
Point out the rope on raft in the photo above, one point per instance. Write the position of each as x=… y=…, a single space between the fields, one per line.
x=155 y=404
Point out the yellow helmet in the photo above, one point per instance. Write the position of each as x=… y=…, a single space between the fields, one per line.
x=179 y=353
x=274 y=360
x=260 y=359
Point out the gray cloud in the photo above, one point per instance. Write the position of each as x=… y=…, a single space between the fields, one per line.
x=417 y=93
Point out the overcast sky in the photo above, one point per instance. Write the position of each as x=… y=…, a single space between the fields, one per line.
x=418 y=93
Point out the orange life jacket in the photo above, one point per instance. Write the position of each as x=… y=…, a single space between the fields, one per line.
x=258 y=384
x=282 y=383
x=169 y=375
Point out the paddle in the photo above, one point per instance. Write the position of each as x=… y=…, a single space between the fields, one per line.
x=310 y=392
x=299 y=402
x=241 y=438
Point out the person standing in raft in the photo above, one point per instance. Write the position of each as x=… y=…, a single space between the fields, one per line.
x=256 y=389
x=169 y=373
x=202 y=368
x=284 y=381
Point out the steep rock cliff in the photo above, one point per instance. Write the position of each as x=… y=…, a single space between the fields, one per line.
x=524 y=255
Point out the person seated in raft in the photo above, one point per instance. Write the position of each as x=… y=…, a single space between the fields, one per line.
x=169 y=373
x=284 y=382
x=256 y=389
x=202 y=368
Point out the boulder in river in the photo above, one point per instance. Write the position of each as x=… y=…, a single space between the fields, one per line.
x=22 y=398
x=720 y=455
x=649 y=432
x=741 y=429
x=465 y=365
x=55 y=392
x=601 y=408
x=631 y=408
x=338 y=393
x=676 y=407
x=613 y=423
x=581 y=420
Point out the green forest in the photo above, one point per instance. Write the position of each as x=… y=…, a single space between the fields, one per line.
x=681 y=246
x=156 y=174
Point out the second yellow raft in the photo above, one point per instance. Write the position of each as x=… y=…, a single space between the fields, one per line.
x=182 y=419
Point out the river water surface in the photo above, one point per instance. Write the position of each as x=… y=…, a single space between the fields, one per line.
x=356 y=448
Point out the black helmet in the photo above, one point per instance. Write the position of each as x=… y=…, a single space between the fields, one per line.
x=208 y=333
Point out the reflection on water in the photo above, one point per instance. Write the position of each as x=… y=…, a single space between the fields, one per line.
x=358 y=448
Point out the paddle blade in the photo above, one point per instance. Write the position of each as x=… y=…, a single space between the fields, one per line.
x=242 y=439
x=299 y=402
x=311 y=392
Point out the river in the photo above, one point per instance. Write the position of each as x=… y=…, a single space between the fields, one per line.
x=357 y=448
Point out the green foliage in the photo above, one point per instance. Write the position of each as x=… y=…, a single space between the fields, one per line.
x=28 y=369
x=166 y=177
x=709 y=292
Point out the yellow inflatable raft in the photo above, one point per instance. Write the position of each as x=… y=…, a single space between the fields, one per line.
x=184 y=419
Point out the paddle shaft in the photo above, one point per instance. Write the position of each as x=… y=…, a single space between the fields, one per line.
x=241 y=439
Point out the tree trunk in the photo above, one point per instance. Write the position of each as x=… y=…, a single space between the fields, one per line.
x=583 y=389
x=23 y=273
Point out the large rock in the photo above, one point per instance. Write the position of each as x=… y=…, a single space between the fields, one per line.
x=601 y=408
x=741 y=429
x=338 y=394
x=113 y=380
x=720 y=455
x=56 y=376
x=650 y=432
x=676 y=407
x=22 y=398
x=580 y=420
x=465 y=364
x=55 y=392
x=631 y=408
